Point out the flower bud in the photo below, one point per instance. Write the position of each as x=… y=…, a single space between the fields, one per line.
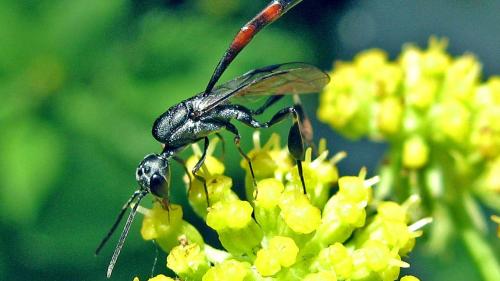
x=409 y=278
x=229 y=270
x=159 y=277
x=166 y=226
x=188 y=261
x=285 y=248
x=415 y=153
x=267 y=262
x=298 y=213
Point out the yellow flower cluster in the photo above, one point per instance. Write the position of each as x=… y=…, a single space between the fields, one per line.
x=441 y=122
x=425 y=99
x=281 y=233
x=428 y=105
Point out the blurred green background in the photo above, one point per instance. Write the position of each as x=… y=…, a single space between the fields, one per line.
x=81 y=83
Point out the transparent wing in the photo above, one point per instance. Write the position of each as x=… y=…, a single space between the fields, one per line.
x=281 y=79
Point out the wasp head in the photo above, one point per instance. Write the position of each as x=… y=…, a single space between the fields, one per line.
x=153 y=175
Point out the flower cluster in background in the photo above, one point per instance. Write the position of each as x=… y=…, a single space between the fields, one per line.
x=441 y=122
x=279 y=233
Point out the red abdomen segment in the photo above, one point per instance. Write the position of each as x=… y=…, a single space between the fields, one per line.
x=269 y=14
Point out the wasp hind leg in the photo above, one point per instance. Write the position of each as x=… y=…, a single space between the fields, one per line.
x=295 y=137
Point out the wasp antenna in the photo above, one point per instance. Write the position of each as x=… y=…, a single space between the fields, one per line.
x=124 y=234
x=156 y=258
x=117 y=222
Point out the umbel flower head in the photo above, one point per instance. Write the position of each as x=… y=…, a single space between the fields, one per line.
x=280 y=233
x=442 y=125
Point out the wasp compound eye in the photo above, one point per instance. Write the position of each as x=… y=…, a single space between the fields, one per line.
x=159 y=186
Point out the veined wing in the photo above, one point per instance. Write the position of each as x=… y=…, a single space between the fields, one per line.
x=280 y=79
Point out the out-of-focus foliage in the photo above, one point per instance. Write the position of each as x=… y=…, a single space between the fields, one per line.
x=441 y=122
x=81 y=83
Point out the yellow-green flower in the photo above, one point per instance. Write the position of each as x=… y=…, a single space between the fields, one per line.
x=442 y=125
x=280 y=233
x=159 y=277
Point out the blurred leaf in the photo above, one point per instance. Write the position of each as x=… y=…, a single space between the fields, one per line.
x=74 y=24
x=104 y=121
x=3 y=264
x=31 y=160
x=219 y=8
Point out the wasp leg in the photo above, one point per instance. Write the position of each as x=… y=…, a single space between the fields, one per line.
x=268 y=103
x=295 y=136
x=183 y=164
x=198 y=166
x=305 y=123
x=237 y=138
x=295 y=139
x=223 y=143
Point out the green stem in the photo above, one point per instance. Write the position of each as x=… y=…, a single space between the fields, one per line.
x=482 y=253
x=456 y=187
x=215 y=255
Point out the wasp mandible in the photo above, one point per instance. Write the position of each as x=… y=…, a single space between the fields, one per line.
x=212 y=111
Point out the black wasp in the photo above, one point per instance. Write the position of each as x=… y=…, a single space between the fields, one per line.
x=212 y=110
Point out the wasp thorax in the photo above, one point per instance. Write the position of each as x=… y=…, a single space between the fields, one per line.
x=153 y=174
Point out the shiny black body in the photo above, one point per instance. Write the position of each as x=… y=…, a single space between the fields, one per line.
x=214 y=110
x=197 y=118
x=186 y=123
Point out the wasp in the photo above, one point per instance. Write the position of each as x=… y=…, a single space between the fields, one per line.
x=213 y=110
